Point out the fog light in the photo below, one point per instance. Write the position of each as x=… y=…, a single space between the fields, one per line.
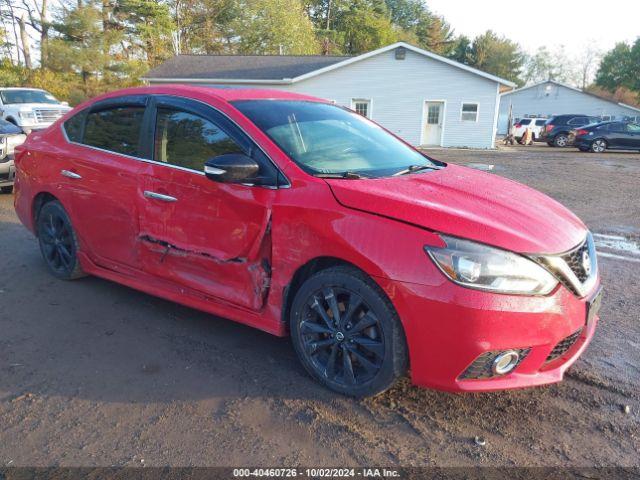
x=505 y=362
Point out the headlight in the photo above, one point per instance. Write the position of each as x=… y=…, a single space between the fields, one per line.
x=26 y=115
x=479 y=266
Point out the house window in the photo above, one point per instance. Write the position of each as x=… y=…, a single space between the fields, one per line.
x=469 y=112
x=361 y=106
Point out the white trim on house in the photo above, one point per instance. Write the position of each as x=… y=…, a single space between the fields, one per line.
x=368 y=101
x=575 y=89
x=424 y=119
x=341 y=64
x=496 y=117
x=462 y=104
x=420 y=51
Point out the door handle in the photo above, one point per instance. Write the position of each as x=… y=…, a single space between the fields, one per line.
x=70 y=174
x=159 y=196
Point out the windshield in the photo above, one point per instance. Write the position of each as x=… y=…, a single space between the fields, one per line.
x=26 y=96
x=327 y=139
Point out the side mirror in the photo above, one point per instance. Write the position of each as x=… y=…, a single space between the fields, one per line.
x=232 y=168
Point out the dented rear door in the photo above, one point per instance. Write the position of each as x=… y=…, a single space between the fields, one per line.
x=207 y=236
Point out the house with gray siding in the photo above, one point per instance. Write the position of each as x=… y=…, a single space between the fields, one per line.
x=424 y=98
x=554 y=98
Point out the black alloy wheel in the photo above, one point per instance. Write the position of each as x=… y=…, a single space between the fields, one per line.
x=347 y=334
x=58 y=242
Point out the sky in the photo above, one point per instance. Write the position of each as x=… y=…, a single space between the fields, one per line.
x=533 y=23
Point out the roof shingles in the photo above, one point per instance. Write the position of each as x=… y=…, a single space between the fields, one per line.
x=255 y=67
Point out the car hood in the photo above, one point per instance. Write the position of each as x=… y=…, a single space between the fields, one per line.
x=467 y=203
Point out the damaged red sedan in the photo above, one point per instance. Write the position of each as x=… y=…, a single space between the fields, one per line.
x=302 y=218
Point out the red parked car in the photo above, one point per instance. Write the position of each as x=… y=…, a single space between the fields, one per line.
x=296 y=216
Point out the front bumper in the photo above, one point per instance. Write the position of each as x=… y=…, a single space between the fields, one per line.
x=448 y=327
x=7 y=171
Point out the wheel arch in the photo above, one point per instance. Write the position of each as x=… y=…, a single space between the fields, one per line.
x=303 y=273
x=39 y=201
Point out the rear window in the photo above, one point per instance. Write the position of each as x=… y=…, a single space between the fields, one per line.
x=540 y=123
x=116 y=129
x=525 y=121
x=73 y=127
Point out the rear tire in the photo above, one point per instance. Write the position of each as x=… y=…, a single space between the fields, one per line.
x=347 y=333
x=58 y=242
x=561 y=140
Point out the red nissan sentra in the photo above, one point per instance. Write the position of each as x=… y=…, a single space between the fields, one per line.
x=296 y=216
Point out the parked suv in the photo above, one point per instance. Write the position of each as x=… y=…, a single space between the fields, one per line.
x=557 y=129
x=30 y=108
x=302 y=218
x=10 y=137
x=536 y=125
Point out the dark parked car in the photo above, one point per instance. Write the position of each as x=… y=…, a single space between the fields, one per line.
x=557 y=130
x=608 y=135
x=10 y=137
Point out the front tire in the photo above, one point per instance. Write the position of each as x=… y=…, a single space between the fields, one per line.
x=598 y=146
x=561 y=140
x=347 y=333
x=58 y=242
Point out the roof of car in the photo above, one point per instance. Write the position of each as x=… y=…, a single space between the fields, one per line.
x=225 y=94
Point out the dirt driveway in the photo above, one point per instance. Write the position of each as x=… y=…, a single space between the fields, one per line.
x=93 y=373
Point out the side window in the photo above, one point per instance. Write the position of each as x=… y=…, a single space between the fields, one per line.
x=188 y=140
x=116 y=129
x=633 y=128
x=73 y=126
x=469 y=112
x=617 y=127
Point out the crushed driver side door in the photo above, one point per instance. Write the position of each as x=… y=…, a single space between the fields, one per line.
x=211 y=237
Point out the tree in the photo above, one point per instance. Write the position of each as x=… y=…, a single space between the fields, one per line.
x=204 y=26
x=147 y=26
x=497 y=55
x=587 y=63
x=620 y=67
x=461 y=50
x=365 y=26
x=274 y=27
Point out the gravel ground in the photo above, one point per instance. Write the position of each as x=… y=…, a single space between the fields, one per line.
x=96 y=374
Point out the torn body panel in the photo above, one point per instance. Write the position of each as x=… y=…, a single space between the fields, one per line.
x=214 y=238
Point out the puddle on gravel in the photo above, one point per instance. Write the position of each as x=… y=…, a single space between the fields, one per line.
x=617 y=246
x=485 y=167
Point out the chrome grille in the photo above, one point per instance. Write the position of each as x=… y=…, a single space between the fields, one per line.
x=481 y=366
x=563 y=346
x=574 y=260
x=576 y=269
x=48 y=115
